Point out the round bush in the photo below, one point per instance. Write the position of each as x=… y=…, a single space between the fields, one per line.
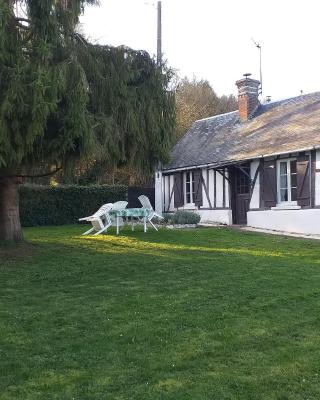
x=183 y=218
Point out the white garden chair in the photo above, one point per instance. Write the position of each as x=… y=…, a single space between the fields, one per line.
x=118 y=205
x=145 y=202
x=100 y=220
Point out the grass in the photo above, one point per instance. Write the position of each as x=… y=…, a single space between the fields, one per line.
x=196 y=314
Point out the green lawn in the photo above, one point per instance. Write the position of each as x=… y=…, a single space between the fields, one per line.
x=195 y=314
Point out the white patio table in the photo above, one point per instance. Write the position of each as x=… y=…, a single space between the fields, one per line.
x=131 y=213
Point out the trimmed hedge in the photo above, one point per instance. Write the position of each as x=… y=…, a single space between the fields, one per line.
x=47 y=205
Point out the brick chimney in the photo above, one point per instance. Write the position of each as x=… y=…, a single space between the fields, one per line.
x=248 y=97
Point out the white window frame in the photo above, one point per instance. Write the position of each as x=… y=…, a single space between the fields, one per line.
x=190 y=187
x=289 y=202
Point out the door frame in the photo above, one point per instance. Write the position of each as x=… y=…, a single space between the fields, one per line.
x=235 y=172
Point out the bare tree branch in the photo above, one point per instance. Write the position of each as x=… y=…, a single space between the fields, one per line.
x=33 y=176
x=19 y=19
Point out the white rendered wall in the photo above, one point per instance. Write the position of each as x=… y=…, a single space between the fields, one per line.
x=167 y=185
x=158 y=192
x=218 y=216
x=210 y=188
x=205 y=202
x=255 y=199
x=219 y=190
x=227 y=191
x=164 y=192
x=305 y=221
x=317 y=180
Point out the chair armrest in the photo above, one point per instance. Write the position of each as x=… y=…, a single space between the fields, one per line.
x=89 y=219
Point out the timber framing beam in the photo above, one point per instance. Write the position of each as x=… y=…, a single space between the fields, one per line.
x=253 y=182
x=206 y=189
x=221 y=171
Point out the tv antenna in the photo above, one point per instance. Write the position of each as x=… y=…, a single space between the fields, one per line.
x=258 y=46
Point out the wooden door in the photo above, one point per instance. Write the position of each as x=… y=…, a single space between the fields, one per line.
x=241 y=192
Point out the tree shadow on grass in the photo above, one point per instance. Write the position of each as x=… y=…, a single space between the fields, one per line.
x=15 y=252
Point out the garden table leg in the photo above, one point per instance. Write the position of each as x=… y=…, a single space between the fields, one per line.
x=117 y=224
x=145 y=224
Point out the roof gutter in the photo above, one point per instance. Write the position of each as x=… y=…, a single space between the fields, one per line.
x=191 y=167
x=286 y=152
x=229 y=162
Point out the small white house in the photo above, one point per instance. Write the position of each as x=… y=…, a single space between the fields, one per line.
x=258 y=166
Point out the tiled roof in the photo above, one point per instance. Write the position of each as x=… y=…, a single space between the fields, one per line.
x=283 y=126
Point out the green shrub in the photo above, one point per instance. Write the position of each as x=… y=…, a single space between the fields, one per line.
x=182 y=218
x=49 y=205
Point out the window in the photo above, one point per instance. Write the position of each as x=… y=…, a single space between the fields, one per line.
x=189 y=187
x=287 y=181
x=243 y=181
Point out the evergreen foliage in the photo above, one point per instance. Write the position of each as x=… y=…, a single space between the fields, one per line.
x=63 y=99
x=133 y=113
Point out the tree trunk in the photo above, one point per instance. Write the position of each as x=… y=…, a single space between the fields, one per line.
x=10 y=227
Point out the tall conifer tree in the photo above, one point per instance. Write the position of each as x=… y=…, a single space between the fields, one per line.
x=63 y=99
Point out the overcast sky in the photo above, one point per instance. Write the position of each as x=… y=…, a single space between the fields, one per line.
x=212 y=39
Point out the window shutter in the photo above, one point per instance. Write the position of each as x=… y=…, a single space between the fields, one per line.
x=303 y=180
x=178 y=189
x=269 y=184
x=197 y=187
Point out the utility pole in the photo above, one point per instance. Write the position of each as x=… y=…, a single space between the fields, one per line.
x=159 y=34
